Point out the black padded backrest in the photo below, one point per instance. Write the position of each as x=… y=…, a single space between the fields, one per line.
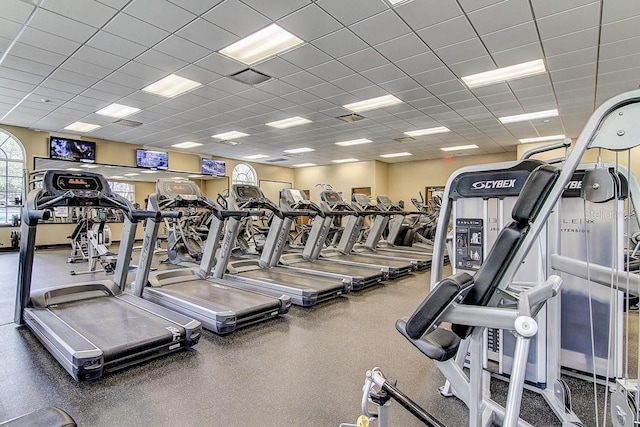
x=534 y=193
x=526 y=209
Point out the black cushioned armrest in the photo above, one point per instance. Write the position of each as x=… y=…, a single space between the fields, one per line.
x=45 y=417
x=436 y=303
x=440 y=344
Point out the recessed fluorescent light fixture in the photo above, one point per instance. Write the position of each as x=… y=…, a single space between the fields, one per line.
x=460 y=147
x=187 y=144
x=171 y=86
x=542 y=138
x=512 y=72
x=429 y=131
x=303 y=165
x=387 y=156
x=115 y=177
x=299 y=150
x=397 y=2
x=178 y=177
x=256 y=156
x=290 y=122
x=149 y=171
x=262 y=44
x=89 y=166
x=344 y=160
x=82 y=127
x=373 y=103
x=118 y=111
x=230 y=135
x=354 y=142
x=74 y=169
x=195 y=176
x=529 y=116
x=131 y=174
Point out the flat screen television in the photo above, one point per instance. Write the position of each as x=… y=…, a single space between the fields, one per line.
x=213 y=167
x=152 y=159
x=72 y=149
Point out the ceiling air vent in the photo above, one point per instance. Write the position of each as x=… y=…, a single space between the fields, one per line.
x=250 y=77
x=129 y=123
x=227 y=142
x=277 y=160
x=353 y=117
x=405 y=139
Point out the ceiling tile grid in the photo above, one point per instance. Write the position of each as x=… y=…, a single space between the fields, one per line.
x=81 y=55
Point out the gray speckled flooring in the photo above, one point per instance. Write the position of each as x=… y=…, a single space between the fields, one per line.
x=305 y=368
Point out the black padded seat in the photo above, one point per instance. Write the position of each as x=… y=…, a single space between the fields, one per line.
x=45 y=417
x=439 y=344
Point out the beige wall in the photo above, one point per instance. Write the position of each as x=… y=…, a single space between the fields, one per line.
x=407 y=179
x=36 y=144
x=341 y=177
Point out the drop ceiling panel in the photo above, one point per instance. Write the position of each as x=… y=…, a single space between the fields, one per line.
x=116 y=45
x=512 y=37
x=181 y=48
x=364 y=60
x=420 y=63
x=17 y=11
x=236 y=17
x=207 y=35
x=87 y=11
x=462 y=51
x=448 y=32
x=618 y=10
x=99 y=57
x=579 y=18
x=61 y=26
x=518 y=55
x=403 y=47
x=620 y=48
x=473 y=66
x=275 y=9
x=349 y=12
x=39 y=55
x=309 y=23
x=161 y=61
x=51 y=42
x=421 y=14
x=306 y=56
x=620 y=30
x=380 y=28
x=304 y=79
x=500 y=16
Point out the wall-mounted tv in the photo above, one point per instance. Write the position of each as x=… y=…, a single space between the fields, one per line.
x=152 y=159
x=72 y=149
x=213 y=167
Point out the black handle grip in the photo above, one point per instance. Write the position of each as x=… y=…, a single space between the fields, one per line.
x=239 y=214
x=170 y=214
x=137 y=215
x=40 y=215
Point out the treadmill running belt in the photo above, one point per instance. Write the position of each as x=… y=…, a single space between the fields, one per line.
x=114 y=325
x=207 y=294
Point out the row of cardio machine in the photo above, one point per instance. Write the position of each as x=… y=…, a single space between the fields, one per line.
x=166 y=309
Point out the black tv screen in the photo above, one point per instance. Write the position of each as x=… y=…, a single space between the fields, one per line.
x=152 y=159
x=213 y=167
x=72 y=149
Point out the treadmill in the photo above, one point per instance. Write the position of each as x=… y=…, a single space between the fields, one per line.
x=362 y=203
x=253 y=273
x=360 y=277
x=93 y=327
x=394 y=267
x=219 y=306
x=396 y=224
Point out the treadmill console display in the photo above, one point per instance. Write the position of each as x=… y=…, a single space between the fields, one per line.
x=171 y=189
x=246 y=192
x=331 y=197
x=80 y=185
x=385 y=200
x=361 y=199
x=297 y=195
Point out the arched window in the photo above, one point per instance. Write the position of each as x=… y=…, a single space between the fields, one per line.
x=12 y=181
x=244 y=174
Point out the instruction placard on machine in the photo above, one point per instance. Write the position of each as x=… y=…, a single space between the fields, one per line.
x=468 y=243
